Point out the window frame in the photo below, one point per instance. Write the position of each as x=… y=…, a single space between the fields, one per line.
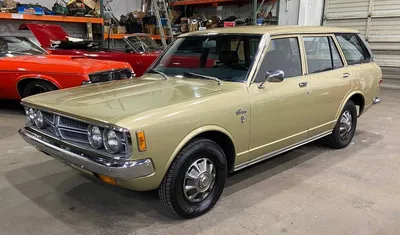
x=335 y=43
x=265 y=50
x=364 y=46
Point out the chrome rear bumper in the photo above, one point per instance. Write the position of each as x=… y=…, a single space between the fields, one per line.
x=123 y=170
x=376 y=100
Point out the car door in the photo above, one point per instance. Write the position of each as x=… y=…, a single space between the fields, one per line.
x=279 y=110
x=329 y=80
x=365 y=73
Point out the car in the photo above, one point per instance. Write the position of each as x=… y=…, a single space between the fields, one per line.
x=26 y=69
x=139 y=50
x=181 y=130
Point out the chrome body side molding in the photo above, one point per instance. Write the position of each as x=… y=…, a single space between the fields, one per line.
x=280 y=151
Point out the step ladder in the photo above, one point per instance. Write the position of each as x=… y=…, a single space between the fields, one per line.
x=161 y=10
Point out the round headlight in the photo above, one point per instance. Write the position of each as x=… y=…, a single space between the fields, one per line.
x=30 y=116
x=95 y=137
x=112 y=142
x=38 y=116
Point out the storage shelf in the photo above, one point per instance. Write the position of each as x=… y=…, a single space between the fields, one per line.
x=199 y=2
x=120 y=36
x=54 y=18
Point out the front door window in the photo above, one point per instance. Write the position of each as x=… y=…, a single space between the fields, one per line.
x=283 y=54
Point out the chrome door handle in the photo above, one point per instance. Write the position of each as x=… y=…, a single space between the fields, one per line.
x=303 y=84
x=346 y=75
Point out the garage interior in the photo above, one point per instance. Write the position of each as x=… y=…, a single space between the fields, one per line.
x=309 y=190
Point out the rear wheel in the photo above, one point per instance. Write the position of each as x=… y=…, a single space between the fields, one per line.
x=195 y=180
x=37 y=87
x=345 y=128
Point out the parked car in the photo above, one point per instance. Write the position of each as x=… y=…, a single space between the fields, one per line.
x=26 y=69
x=139 y=50
x=182 y=130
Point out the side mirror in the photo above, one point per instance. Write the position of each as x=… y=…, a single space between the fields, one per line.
x=272 y=76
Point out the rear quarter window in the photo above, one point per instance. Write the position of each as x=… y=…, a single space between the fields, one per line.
x=354 y=49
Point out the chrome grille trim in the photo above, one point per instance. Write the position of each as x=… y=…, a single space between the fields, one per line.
x=111 y=75
x=72 y=124
x=48 y=117
x=55 y=130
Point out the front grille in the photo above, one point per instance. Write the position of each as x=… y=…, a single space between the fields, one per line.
x=74 y=132
x=72 y=123
x=110 y=75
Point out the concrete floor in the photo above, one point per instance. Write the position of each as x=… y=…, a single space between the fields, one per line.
x=311 y=190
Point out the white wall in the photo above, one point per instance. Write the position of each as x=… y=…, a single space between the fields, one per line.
x=311 y=12
x=288 y=12
x=300 y=12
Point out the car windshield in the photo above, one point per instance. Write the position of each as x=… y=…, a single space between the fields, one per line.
x=143 y=43
x=226 y=57
x=18 y=46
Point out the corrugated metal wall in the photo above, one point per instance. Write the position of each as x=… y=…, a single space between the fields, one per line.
x=378 y=21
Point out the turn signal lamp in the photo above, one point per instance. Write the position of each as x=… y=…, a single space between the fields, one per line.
x=141 y=141
x=107 y=179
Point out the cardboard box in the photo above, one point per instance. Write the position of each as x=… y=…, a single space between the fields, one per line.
x=9 y=4
x=121 y=30
x=34 y=10
x=90 y=3
x=193 y=27
x=150 y=29
x=106 y=29
x=158 y=31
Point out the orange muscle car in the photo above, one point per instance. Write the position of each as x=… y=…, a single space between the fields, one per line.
x=27 y=69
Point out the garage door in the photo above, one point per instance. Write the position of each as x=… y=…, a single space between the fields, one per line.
x=378 y=21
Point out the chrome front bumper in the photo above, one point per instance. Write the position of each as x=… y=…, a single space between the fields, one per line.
x=123 y=170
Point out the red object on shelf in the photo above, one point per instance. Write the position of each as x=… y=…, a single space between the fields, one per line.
x=213 y=2
x=229 y=24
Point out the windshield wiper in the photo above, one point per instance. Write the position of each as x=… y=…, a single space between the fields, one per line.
x=158 y=72
x=202 y=76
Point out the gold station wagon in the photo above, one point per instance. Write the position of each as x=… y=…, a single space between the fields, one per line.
x=214 y=102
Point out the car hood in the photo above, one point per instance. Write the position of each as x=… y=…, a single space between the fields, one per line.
x=65 y=63
x=114 y=101
x=45 y=33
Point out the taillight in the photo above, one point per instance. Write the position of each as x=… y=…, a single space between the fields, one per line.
x=380 y=81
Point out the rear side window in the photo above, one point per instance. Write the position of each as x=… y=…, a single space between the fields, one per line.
x=353 y=48
x=322 y=54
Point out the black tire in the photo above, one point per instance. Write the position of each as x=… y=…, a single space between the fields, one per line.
x=171 y=189
x=335 y=140
x=37 y=87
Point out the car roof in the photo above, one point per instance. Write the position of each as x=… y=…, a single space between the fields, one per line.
x=273 y=30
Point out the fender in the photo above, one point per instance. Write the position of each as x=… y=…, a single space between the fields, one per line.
x=40 y=77
x=193 y=134
x=344 y=101
x=36 y=76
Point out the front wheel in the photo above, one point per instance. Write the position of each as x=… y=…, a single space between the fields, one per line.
x=37 y=87
x=195 y=180
x=345 y=127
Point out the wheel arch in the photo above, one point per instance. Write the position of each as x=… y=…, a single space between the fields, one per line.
x=215 y=133
x=357 y=97
x=22 y=82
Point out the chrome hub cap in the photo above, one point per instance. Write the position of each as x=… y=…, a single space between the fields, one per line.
x=199 y=180
x=346 y=123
